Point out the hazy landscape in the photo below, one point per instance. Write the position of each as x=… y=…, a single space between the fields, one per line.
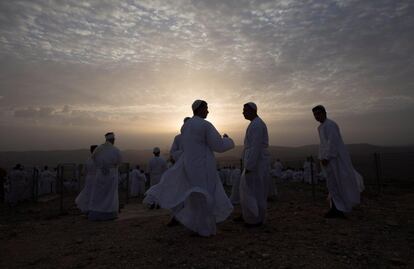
x=55 y=157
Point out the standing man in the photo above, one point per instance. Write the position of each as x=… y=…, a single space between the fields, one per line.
x=177 y=147
x=254 y=182
x=104 y=202
x=343 y=182
x=156 y=167
x=192 y=189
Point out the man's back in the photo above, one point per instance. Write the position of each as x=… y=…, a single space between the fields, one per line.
x=157 y=166
x=107 y=155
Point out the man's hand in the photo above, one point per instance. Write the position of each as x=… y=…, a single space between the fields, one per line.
x=225 y=135
x=324 y=162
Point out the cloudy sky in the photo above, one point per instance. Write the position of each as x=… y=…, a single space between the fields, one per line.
x=73 y=70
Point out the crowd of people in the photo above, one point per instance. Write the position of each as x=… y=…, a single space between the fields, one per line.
x=191 y=187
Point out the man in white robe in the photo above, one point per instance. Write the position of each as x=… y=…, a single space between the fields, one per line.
x=47 y=182
x=277 y=169
x=343 y=182
x=254 y=182
x=192 y=189
x=137 y=182
x=156 y=167
x=89 y=170
x=15 y=185
x=104 y=202
x=177 y=147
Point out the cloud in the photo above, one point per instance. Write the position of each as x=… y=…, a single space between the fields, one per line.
x=122 y=61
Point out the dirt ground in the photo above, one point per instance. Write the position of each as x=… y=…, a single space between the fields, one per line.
x=378 y=234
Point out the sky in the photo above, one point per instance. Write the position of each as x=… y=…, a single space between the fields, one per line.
x=73 y=70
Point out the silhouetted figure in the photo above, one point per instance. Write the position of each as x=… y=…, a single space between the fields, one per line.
x=192 y=189
x=104 y=203
x=177 y=147
x=255 y=178
x=343 y=182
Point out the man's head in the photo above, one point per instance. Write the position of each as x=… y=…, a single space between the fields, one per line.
x=200 y=108
x=156 y=151
x=137 y=167
x=110 y=137
x=250 y=111
x=92 y=148
x=319 y=113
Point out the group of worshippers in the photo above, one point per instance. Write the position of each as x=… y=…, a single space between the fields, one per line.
x=192 y=190
x=19 y=185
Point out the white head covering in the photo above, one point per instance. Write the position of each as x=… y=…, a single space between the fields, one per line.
x=110 y=136
x=196 y=104
x=252 y=106
x=156 y=150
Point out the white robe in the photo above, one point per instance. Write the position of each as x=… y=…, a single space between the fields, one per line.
x=254 y=185
x=343 y=182
x=192 y=189
x=83 y=199
x=176 y=148
x=47 y=182
x=104 y=202
x=277 y=169
x=235 y=190
x=137 y=183
x=15 y=187
x=156 y=167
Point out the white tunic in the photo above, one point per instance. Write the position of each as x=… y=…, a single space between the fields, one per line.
x=277 y=169
x=156 y=167
x=176 y=148
x=15 y=186
x=137 y=182
x=192 y=188
x=83 y=199
x=344 y=184
x=254 y=185
x=47 y=182
x=104 y=196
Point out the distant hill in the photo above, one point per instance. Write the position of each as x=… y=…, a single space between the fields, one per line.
x=52 y=158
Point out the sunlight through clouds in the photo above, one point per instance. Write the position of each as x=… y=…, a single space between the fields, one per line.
x=114 y=64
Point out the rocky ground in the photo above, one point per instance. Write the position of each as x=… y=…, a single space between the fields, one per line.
x=378 y=234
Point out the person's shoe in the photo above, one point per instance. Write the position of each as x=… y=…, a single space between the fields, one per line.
x=151 y=206
x=255 y=225
x=238 y=219
x=173 y=222
x=194 y=234
x=334 y=214
x=157 y=206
